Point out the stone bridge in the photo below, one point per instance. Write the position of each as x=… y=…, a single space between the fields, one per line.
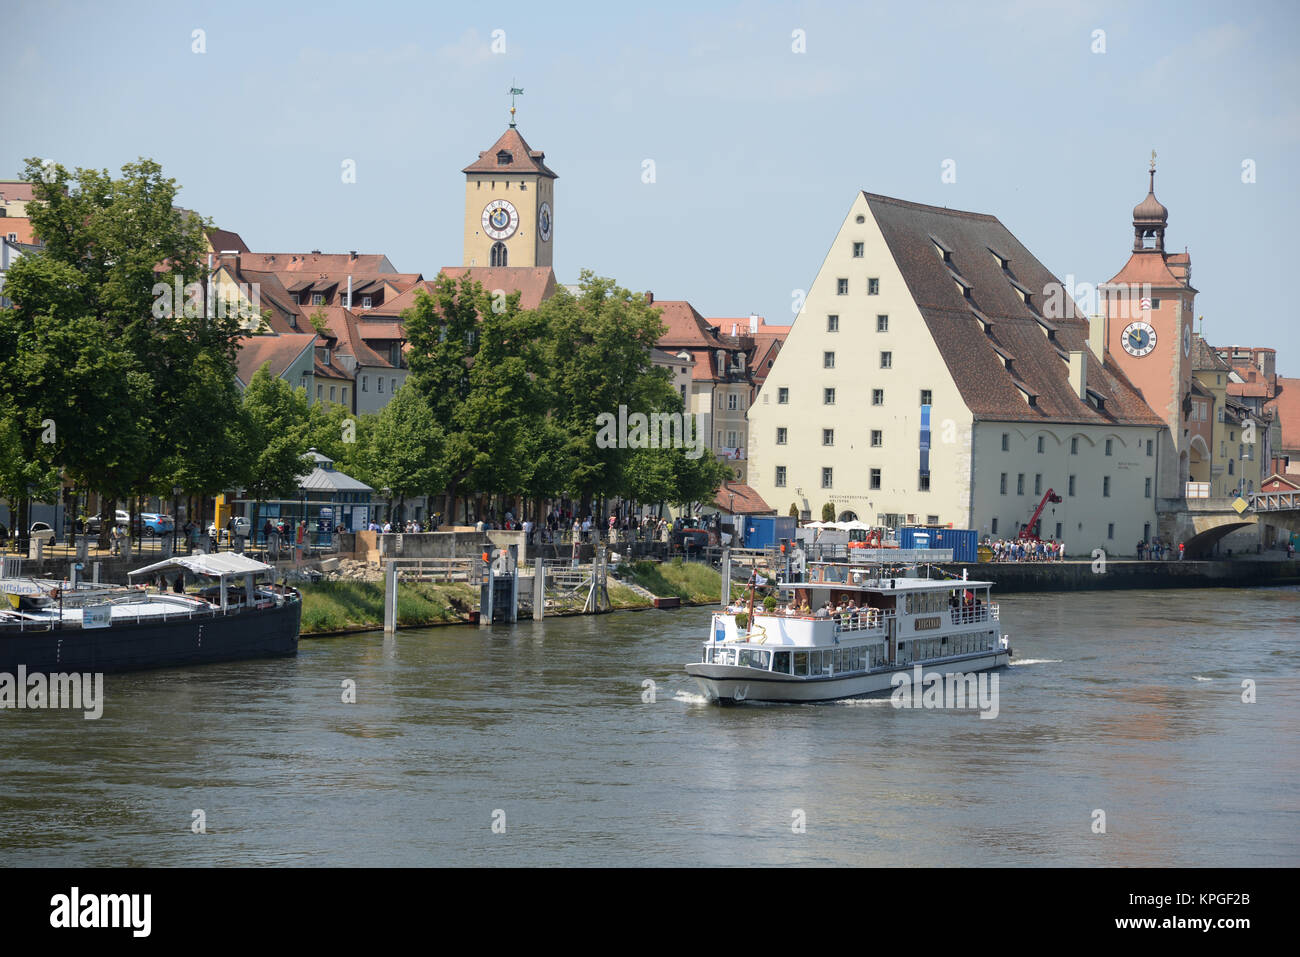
x=1199 y=523
x=1277 y=508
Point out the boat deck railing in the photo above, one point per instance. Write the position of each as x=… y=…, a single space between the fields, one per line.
x=196 y=608
x=969 y=614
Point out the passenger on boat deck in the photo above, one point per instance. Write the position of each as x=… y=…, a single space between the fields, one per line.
x=803 y=607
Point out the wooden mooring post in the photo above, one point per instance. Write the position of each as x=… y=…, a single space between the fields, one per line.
x=726 y=577
x=539 y=589
x=390 y=598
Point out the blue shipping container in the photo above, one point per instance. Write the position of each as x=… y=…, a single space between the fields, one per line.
x=765 y=531
x=964 y=542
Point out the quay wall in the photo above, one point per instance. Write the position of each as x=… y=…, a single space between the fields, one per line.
x=1079 y=576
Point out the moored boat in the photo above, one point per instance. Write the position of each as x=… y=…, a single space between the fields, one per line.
x=51 y=626
x=849 y=629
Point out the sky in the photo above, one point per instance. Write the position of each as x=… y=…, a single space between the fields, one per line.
x=760 y=120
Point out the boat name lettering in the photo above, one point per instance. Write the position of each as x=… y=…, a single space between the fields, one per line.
x=928 y=624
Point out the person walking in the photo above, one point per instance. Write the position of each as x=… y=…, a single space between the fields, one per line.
x=1181 y=546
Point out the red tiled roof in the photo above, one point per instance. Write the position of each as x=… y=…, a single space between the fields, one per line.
x=737 y=499
x=222 y=240
x=989 y=390
x=314 y=264
x=534 y=283
x=1286 y=406
x=522 y=158
x=280 y=351
x=1148 y=267
x=20 y=226
x=16 y=190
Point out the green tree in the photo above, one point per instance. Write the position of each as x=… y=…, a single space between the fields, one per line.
x=277 y=422
x=404 y=449
x=97 y=341
x=794 y=510
x=828 y=512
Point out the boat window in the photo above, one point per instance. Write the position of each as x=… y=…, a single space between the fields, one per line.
x=782 y=662
x=801 y=662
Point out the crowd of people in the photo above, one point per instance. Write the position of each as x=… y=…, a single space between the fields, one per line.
x=1026 y=550
x=1158 y=551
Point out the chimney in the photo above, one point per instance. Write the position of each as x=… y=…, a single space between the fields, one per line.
x=230 y=256
x=649 y=297
x=315 y=252
x=1079 y=373
x=350 y=286
x=753 y=323
x=1097 y=337
x=352 y=254
x=734 y=327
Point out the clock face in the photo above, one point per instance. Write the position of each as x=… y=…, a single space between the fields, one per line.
x=1187 y=340
x=1139 y=338
x=544 y=222
x=500 y=219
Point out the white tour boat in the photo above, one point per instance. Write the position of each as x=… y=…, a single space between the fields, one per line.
x=897 y=621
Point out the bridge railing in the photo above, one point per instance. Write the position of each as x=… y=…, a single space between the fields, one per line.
x=1274 y=501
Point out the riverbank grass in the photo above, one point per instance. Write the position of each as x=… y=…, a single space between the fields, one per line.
x=337 y=606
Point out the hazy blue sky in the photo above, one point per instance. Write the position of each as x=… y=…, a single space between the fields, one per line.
x=757 y=149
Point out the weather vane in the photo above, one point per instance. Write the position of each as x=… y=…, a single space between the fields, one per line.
x=1153 y=152
x=514 y=91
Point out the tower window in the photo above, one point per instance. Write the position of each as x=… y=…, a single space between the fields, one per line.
x=499 y=255
x=504 y=158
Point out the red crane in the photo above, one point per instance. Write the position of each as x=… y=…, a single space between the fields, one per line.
x=1027 y=531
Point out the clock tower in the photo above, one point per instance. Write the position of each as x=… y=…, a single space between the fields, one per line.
x=509 y=205
x=1148 y=311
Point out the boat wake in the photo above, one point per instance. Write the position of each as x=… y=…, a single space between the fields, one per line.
x=687 y=697
x=1200 y=678
x=1035 y=661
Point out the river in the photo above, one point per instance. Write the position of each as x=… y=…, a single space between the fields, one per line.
x=1124 y=702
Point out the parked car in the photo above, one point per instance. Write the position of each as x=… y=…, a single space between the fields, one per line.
x=242 y=527
x=42 y=532
x=155 y=523
x=95 y=522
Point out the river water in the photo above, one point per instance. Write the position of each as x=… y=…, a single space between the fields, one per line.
x=1124 y=702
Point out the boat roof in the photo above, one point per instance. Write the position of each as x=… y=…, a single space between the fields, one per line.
x=900 y=584
x=216 y=565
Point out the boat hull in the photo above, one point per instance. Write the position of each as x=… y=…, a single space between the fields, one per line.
x=731 y=684
x=139 y=646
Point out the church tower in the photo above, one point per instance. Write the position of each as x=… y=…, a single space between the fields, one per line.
x=509 y=205
x=1149 y=306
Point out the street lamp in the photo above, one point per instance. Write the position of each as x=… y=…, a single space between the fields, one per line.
x=176 y=514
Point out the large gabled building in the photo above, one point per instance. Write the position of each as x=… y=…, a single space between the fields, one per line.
x=924 y=382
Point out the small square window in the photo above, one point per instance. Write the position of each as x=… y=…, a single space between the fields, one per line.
x=926 y=397
x=886 y=360
x=875 y=478
x=828 y=436
x=882 y=323
x=877 y=438
x=828 y=360
x=841 y=287
x=832 y=323
x=781 y=436
x=877 y=396
x=827 y=476
x=873 y=287
x=782 y=396
x=924 y=484
x=780 y=476
x=828 y=397
x=857 y=250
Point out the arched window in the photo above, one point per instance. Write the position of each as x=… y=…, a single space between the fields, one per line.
x=499 y=254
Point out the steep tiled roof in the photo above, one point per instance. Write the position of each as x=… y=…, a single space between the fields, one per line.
x=313 y=264
x=280 y=351
x=737 y=499
x=522 y=159
x=1205 y=359
x=223 y=240
x=534 y=283
x=1286 y=406
x=684 y=328
x=1039 y=348
x=16 y=190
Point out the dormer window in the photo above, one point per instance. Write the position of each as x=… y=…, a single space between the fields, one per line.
x=1003 y=261
x=504 y=158
x=962 y=285
x=942 y=248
